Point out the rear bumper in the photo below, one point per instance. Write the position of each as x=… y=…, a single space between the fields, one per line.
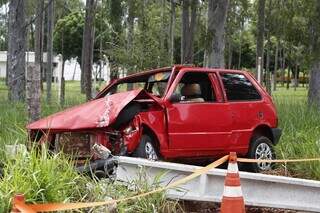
x=276 y=133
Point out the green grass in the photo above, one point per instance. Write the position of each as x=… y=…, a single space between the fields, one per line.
x=301 y=131
x=41 y=178
x=47 y=178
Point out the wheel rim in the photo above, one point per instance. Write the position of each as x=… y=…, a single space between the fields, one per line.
x=150 y=152
x=264 y=152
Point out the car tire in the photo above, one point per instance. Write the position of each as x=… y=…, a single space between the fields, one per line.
x=261 y=148
x=146 y=149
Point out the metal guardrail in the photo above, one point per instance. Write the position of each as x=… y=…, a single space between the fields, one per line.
x=258 y=189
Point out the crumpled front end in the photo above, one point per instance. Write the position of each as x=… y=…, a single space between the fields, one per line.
x=111 y=121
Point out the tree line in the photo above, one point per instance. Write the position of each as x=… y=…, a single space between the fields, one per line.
x=277 y=40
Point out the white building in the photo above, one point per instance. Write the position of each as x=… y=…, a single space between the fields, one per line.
x=72 y=69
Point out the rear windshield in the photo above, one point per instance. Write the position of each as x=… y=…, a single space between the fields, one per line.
x=155 y=84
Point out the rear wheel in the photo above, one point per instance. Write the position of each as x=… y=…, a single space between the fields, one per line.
x=261 y=148
x=146 y=149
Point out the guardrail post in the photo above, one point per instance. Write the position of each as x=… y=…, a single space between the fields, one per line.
x=232 y=200
x=17 y=198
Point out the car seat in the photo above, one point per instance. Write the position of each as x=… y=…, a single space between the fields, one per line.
x=191 y=93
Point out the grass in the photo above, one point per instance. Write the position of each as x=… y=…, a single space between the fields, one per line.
x=45 y=177
x=301 y=132
x=42 y=178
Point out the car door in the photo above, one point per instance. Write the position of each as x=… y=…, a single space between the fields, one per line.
x=199 y=124
x=245 y=106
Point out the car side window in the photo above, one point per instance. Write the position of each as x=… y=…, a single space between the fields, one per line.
x=238 y=87
x=195 y=87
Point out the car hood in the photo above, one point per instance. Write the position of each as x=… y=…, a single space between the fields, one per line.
x=94 y=114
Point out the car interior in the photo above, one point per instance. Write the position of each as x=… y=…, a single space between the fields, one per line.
x=195 y=87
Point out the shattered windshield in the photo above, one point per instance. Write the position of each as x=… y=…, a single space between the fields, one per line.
x=155 y=84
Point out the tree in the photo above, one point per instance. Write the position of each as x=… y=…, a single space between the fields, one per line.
x=260 y=37
x=87 y=48
x=50 y=26
x=16 y=51
x=71 y=27
x=131 y=16
x=39 y=29
x=172 y=30
x=314 y=85
x=188 y=30
x=217 y=14
x=33 y=92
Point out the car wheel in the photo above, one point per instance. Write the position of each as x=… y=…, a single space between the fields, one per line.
x=261 y=148
x=146 y=149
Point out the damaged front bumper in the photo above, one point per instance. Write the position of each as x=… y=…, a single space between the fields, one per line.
x=102 y=168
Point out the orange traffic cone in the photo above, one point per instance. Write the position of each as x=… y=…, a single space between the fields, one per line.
x=17 y=198
x=232 y=200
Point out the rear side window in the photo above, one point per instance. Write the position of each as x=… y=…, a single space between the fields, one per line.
x=238 y=87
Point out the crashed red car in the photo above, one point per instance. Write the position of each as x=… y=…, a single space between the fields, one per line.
x=179 y=112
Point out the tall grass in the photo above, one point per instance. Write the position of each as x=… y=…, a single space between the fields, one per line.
x=301 y=132
x=46 y=177
x=41 y=177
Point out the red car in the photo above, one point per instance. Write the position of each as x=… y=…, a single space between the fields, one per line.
x=179 y=112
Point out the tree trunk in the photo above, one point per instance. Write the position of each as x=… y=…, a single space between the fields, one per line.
x=260 y=36
x=283 y=67
x=295 y=83
x=289 y=77
x=38 y=46
x=162 y=33
x=62 y=85
x=274 y=74
x=130 y=25
x=314 y=85
x=172 y=30
x=229 y=53
x=217 y=15
x=7 y=41
x=267 y=79
x=82 y=81
x=49 y=49
x=16 y=51
x=88 y=38
x=240 y=47
x=188 y=29
x=33 y=92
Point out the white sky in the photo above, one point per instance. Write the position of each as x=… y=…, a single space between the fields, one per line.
x=3 y=8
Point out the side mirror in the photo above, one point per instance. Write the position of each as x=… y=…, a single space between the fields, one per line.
x=174 y=98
